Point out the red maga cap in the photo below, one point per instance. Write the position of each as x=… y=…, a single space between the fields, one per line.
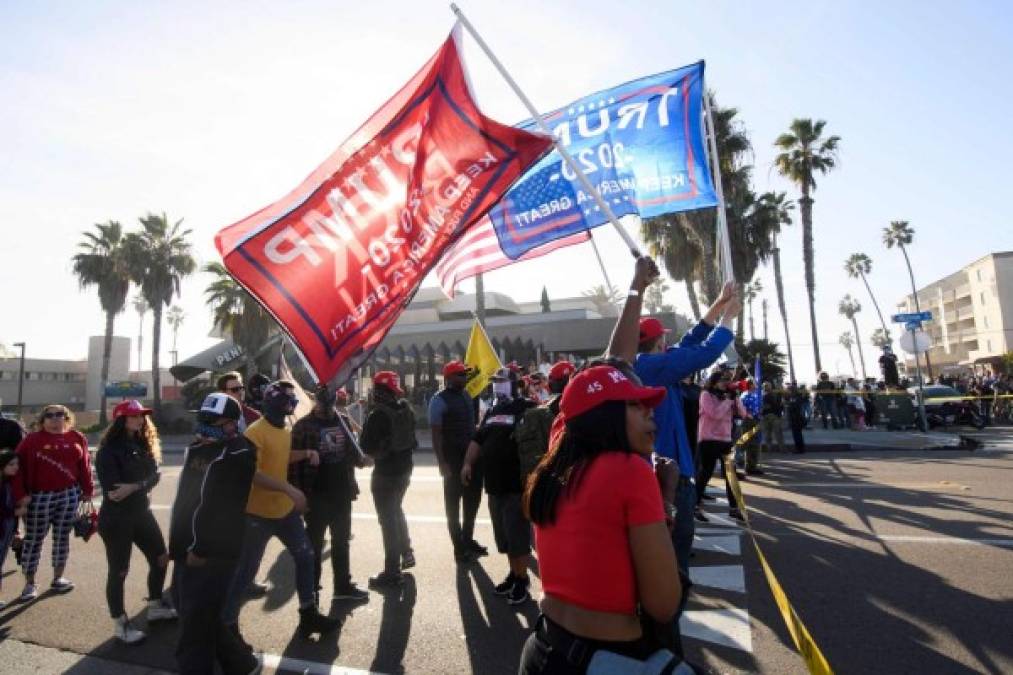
x=651 y=328
x=389 y=379
x=561 y=370
x=455 y=367
x=129 y=408
x=600 y=384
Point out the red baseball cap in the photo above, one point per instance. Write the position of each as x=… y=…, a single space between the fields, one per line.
x=594 y=386
x=389 y=379
x=341 y=396
x=129 y=408
x=651 y=328
x=455 y=367
x=561 y=370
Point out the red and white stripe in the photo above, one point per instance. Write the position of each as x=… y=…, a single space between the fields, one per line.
x=479 y=251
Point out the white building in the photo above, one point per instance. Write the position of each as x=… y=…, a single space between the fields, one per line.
x=972 y=314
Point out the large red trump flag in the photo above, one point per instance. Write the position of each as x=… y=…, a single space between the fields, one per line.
x=337 y=259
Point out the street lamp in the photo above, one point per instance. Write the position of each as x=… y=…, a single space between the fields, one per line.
x=21 y=375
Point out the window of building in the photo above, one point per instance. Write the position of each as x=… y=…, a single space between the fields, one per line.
x=978 y=273
x=988 y=345
x=982 y=296
x=30 y=376
x=986 y=321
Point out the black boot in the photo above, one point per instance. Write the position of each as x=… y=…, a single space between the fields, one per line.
x=312 y=621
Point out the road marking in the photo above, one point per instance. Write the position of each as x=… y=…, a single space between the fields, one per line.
x=729 y=545
x=723 y=577
x=960 y=541
x=728 y=627
x=285 y=664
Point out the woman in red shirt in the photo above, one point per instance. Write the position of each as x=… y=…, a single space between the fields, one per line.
x=603 y=546
x=55 y=475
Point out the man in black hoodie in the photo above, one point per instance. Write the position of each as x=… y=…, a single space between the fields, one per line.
x=388 y=436
x=206 y=536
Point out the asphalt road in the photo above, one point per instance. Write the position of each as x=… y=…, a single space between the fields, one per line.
x=896 y=561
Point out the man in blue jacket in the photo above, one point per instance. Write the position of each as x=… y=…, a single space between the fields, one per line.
x=642 y=341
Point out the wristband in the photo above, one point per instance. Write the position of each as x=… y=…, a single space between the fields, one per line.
x=633 y=293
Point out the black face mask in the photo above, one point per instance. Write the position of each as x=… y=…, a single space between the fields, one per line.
x=277 y=408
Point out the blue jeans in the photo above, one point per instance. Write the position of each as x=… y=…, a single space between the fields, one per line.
x=289 y=529
x=685 y=526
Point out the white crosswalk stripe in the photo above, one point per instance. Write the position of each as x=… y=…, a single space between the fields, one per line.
x=729 y=626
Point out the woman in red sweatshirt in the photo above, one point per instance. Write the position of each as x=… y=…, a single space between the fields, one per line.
x=55 y=474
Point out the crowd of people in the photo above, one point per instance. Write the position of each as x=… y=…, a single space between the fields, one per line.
x=599 y=469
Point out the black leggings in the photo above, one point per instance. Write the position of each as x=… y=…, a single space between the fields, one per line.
x=119 y=532
x=710 y=453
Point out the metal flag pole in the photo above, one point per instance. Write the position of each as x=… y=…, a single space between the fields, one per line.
x=723 y=242
x=544 y=128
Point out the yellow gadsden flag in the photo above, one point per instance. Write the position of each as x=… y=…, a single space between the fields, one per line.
x=481 y=359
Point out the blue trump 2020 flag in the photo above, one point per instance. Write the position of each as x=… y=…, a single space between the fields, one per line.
x=640 y=144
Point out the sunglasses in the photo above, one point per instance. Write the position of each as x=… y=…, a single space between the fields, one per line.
x=55 y=414
x=239 y=388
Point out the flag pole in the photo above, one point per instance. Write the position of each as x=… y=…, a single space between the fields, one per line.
x=723 y=241
x=544 y=128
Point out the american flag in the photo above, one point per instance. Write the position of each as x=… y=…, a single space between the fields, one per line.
x=479 y=250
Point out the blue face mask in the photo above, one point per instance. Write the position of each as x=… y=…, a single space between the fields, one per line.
x=211 y=431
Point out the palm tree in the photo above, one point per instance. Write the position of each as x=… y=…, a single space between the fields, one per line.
x=880 y=338
x=102 y=263
x=235 y=312
x=771 y=357
x=654 y=298
x=140 y=306
x=901 y=234
x=160 y=258
x=849 y=307
x=858 y=266
x=175 y=316
x=753 y=290
x=846 y=342
x=777 y=209
x=671 y=241
x=805 y=151
x=764 y=305
x=604 y=299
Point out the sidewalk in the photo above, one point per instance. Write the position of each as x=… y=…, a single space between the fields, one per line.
x=829 y=440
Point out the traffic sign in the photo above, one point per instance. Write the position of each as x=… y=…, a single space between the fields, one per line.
x=913 y=316
x=915 y=342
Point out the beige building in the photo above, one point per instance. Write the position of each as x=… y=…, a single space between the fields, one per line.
x=972 y=314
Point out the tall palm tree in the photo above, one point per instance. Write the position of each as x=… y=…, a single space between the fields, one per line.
x=859 y=266
x=175 y=317
x=880 y=338
x=669 y=240
x=849 y=307
x=753 y=290
x=235 y=312
x=764 y=305
x=847 y=343
x=604 y=299
x=160 y=258
x=140 y=306
x=777 y=209
x=901 y=234
x=102 y=263
x=804 y=153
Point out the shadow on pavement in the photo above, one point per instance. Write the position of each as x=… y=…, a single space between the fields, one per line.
x=493 y=631
x=866 y=604
x=395 y=627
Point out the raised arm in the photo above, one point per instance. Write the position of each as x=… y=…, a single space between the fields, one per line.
x=626 y=334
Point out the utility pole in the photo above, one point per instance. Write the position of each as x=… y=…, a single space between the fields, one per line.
x=21 y=376
x=480 y=299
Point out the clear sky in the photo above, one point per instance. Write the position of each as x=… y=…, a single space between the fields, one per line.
x=209 y=111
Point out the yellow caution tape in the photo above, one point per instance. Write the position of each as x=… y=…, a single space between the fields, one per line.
x=804 y=643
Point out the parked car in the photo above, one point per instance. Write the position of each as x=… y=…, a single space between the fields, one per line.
x=945 y=406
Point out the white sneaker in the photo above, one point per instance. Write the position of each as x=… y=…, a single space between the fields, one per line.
x=126 y=633
x=62 y=585
x=30 y=593
x=159 y=611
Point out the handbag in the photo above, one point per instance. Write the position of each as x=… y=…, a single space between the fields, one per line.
x=661 y=662
x=86 y=521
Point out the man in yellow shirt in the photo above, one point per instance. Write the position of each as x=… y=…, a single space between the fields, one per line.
x=273 y=509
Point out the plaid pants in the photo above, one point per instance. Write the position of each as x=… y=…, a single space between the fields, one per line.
x=49 y=508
